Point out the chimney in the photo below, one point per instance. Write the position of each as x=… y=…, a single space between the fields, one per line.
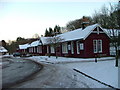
x=85 y=22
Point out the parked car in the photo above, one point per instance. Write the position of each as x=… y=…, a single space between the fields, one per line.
x=15 y=54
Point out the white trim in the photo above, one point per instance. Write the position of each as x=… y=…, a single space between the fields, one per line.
x=90 y=32
x=52 y=49
x=96 y=46
x=72 y=47
x=77 y=45
x=98 y=32
x=93 y=29
x=47 y=49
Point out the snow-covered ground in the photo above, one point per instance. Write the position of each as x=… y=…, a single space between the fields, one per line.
x=53 y=59
x=104 y=70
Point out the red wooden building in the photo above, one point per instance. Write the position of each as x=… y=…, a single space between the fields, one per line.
x=87 y=42
x=84 y=42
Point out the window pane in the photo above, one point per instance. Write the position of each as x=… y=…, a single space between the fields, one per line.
x=72 y=47
x=99 y=45
x=64 y=48
x=81 y=46
x=95 y=46
x=78 y=51
x=52 y=49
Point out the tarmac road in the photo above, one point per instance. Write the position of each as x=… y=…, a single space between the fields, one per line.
x=58 y=76
x=17 y=70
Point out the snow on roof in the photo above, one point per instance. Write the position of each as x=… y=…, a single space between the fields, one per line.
x=74 y=35
x=24 y=46
x=35 y=43
x=78 y=33
x=2 y=49
x=44 y=40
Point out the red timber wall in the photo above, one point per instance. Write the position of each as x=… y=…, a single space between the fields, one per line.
x=88 y=45
x=70 y=54
x=88 y=51
x=34 y=52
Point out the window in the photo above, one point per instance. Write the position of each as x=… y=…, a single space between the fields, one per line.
x=97 y=46
x=47 y=49
x=29 y=49
x=72 y=47
x=40 y=49
x=64 y=48
x=81 y=46
x=69 y=47
x=78 y=50
x=52 y=49
x=32 y=50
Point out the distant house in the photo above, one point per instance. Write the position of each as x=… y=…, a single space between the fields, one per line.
x=86 y=42
x=23 y=48
x=3 y=51
x=35 y=48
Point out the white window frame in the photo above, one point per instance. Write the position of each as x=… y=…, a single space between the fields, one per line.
x=72 y=47
x=97 y=45
x=100 y=46
x=77 y=45
x=64 y=48
x=52 y=49
x=81 y=46
x=98 y=32
x=47 y=49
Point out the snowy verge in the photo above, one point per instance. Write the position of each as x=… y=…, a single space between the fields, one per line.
x=53 y=59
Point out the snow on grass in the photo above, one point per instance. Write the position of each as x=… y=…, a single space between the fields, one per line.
x=53 y=59
x=104 y=70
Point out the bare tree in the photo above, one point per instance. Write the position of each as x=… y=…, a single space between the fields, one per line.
x=75 y=24
x=109 y=18
x=113 y=24
x=55 y=42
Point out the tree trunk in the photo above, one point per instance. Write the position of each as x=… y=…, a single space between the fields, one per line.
x=116 y=57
